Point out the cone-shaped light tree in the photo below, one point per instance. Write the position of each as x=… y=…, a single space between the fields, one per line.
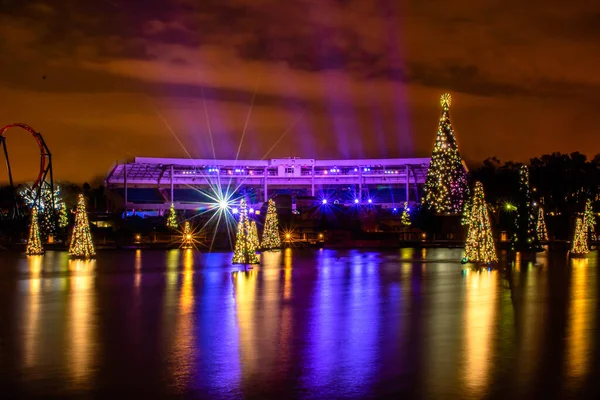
x=525 y=237
x=187 y=239
x=580 y=245
x=271 y=239
x=254 y=235
x=589 y=220
x=446 y=186
x=405 y=219
x=63 y=217
x=34 y=242
x=81 y=239
x=172 y=218
x=542 y=231
x=244 y=251
x=480 y=246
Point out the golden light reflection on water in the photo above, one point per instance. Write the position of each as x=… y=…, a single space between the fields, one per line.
x=32 y=314
x=582 y=318
x=81 y=322
x=245 y=293
x=138 y=267
x=287 y=265
x=480 y=313
x=183 y=349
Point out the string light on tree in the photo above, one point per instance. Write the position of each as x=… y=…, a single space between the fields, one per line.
x=172 y=218
x=81 y=238
x=542 y=231
x=271 y=238
x=580 y=245
x=254 y=235
x=446 y=186
x=34 y=242
x=244 y=251
x=405 y=219
x=187 y=239
x=525 y=238
x=480 y=246
x=589 y=219
x=63 y=217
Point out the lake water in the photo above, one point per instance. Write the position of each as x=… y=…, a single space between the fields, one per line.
x=306 y=324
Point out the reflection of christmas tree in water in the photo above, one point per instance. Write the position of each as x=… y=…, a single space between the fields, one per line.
x=580 y=246
x=172 y=218
x=271 y=238
x=446 y=185
x=245 y=250
x=480 y=245
x=34 y=243
x=81 y=239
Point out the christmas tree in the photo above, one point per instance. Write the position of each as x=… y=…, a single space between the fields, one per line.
x=271 y=239
x=405 y=219
x=63 y=217
x=245 y=250
x=187 y=240
x=580 y=246
x=524 y=237
x=589 y=220
x=480 y=246
x=542 y=231
x=81 y=239
x=254 y=235
x=172 y=218
x=446 y=185
x=34 y=243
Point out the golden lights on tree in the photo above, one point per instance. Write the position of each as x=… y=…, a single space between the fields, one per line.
x=271 y=238
x=245 y=250
x=172 y=218
x=34 y=242
x=480 y=246
x=187 y=238
x=82 y=245
x=405 y=219
x=525 y=237
x=542 y=231
x=589 y=219
x=446 y=186
x=580 y=245
x=254 y=235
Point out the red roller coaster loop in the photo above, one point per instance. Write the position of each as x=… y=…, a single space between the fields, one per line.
x=45 y=157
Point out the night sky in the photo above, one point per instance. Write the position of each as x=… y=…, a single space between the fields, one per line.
x=104 y=80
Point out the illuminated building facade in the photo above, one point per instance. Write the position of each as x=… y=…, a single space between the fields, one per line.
x=155 y=183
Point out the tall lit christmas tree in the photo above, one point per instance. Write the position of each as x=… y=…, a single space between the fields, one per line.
x=480 y=246
x=580 y=245
x=34 y=242
x=589 y=220
x=187 y=239
x=245 y=250
x=524 y=237
x=172 y=218
x=81 y=239
x=254 y=235
x=63 y=217
x=542 y=231
x=446 y=186
x=271 y=239
x=405 y=219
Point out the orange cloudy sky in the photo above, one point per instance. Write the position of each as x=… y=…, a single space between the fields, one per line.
x=109 y=79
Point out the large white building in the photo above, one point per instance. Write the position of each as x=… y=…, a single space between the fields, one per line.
x=155 y=183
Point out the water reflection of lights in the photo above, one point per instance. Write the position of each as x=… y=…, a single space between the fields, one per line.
x=81 y=321
x=582 y=318
x=182 y=355
x=480 y=314
x=32 y=315
x=245 y=291
x=138 y=267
